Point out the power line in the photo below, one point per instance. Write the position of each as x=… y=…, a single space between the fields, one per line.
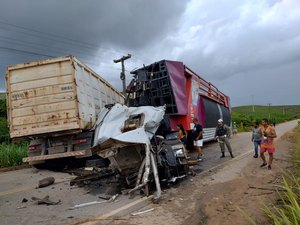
x=45 y=47
x=27 y=52
x=56 y=37
x=29 y=31
x=40 y=54
x=45 y=33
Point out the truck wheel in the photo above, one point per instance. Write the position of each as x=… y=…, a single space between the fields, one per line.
x=54 y=164
x=40 y=166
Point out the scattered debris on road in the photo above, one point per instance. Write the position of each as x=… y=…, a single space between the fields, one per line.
x=24 y=200
x=45 y=201
x=111 y=199
x=142 y=212
x=87 y=178
x=87 y=204
x=46 y=182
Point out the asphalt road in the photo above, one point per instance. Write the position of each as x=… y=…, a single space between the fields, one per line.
x=19 y=186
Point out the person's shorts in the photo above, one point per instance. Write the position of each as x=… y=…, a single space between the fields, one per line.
x=198 y=143
x=269 y=150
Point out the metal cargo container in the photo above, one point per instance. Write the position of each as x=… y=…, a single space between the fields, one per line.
x=55 y=96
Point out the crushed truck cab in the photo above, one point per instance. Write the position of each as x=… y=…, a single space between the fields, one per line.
x=129 y=137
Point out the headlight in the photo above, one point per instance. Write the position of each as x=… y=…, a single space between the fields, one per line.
x=179 y=153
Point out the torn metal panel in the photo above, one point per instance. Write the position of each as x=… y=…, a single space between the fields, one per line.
x=123 y=135
x=113 y=127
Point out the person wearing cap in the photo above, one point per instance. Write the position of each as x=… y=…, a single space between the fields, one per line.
x=197 y=134
x=221 y=134
x=234 y=129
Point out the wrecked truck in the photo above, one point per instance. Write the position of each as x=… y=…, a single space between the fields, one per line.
x=54 y=104
x=129 y=137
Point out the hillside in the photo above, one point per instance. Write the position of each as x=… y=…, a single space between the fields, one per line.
x=277 y=114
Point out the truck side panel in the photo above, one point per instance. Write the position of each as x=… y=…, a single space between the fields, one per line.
x=35 y=97
x=55 y=95
x=93 y=94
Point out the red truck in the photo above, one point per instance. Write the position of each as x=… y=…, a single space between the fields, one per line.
x=185 y=94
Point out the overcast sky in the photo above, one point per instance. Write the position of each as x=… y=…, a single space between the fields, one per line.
x=249 y=49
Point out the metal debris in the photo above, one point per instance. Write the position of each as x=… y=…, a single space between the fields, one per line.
x=142 y=212
x=87 y=204
x=84 y=179
x=45 y=201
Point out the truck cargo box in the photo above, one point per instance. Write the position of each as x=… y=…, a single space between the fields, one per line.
x=53 y=96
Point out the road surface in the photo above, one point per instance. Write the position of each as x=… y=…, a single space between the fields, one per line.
x=19 y=186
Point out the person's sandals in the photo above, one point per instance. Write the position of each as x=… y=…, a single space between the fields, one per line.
x=264 y=164
x=269 y=167
x=255 y=156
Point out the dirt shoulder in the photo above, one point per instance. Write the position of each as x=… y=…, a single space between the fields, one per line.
x=251 y=190
x=214 y=197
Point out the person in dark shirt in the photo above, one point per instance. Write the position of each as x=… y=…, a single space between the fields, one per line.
x=221 y=134
x=198 y=138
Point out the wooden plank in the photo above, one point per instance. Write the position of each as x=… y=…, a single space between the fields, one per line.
x=46 y=117
x=42 y=83
x=43 y=91
x=39 y=62
x=43 y=108
x=43 y=128
x=40 y=72
x=49 y=99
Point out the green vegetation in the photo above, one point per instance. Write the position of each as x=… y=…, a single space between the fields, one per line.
x=296 y=153
x=4 y=136
x=12 y=154
x=288 y=211
x=245 y=117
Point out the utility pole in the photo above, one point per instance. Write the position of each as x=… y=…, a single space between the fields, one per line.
x=252 y=97
x=122 y=75
x=269 y=104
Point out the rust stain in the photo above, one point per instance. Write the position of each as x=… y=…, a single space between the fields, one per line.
x=52 y=117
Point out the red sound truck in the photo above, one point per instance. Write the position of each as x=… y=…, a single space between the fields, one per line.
x=185 y=94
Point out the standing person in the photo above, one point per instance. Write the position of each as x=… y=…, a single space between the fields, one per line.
x=256 y=138
x=198 y=138
x=182 y=136
x=234 y=129
x=181 y=133
x=221 y=135
x=267 y=144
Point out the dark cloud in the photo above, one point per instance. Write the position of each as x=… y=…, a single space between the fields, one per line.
x=227 y=42
x=86 y=29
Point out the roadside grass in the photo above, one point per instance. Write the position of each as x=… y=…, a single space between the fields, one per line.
x=12 y=154
x=287 y=208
